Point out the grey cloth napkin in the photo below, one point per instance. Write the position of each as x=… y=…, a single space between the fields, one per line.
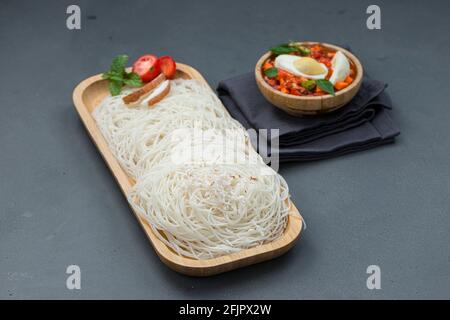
x=364 y=123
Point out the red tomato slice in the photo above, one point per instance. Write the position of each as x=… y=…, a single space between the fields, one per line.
x=168 y=66
x=147 y=67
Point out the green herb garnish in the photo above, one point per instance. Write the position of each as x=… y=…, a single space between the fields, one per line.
x=118 y=64
x=118 y=76
x=300 y=49
x=133 y=80
x=326 y=86
x=115 y=87
x=291 y=47
x=271 y=72
x=309 y=84
x=283 y=49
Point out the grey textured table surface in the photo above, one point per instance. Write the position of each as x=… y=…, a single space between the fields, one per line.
x=60 y=205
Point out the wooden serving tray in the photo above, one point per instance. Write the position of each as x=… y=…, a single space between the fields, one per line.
x=86 y=96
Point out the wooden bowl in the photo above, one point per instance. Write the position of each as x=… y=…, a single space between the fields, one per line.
x=301 y=105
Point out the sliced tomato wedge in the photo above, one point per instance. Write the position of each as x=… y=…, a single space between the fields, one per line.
x=147 y=67
x=168 y=66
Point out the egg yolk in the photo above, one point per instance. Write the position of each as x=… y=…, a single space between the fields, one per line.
x=309 y=66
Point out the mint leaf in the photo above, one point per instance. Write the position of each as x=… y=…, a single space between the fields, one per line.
x=326 y=86
x=115 y=77
x=133 y=82
x=118 y=64
x=118 y=77
x=115 y=87
x=133 y=76
x=112 y=76
x=271 y=72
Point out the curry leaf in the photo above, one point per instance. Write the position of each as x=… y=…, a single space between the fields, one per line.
x=283 y=49
x=304 y=51
x=271 y=72
x=326 y=86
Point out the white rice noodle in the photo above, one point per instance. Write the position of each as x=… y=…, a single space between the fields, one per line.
x=204 y=207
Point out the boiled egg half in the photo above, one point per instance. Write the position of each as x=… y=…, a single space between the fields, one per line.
x=341 y=67
x=301 y=66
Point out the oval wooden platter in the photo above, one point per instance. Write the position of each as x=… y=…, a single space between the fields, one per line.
x=86 y=97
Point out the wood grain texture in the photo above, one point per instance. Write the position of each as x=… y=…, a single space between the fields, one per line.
x=86 y=96
x=300 y=105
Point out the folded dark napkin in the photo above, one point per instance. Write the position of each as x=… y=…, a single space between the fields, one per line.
x=363 y=123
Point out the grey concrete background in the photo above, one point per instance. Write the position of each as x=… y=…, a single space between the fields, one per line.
x=59 y=204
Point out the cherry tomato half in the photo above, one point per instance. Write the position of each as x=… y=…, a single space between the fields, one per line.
x=147 y=67
x=168 y=66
